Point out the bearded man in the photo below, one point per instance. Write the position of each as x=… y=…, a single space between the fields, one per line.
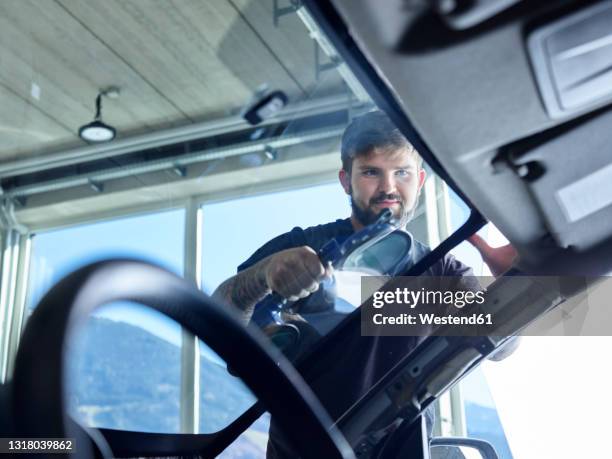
x=380 y=170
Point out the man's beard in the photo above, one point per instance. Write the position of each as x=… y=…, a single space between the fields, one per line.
x=367 y=216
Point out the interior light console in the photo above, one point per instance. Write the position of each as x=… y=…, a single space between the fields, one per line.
x=572 y=60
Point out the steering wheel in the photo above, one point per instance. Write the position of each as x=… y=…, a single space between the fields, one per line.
x=39 y=405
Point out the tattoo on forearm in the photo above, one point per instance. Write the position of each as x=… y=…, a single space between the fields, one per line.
x=245 y=289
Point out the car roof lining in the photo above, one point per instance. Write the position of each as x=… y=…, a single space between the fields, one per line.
x=468 y=100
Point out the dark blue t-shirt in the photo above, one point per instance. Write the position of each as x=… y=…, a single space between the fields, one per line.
x=370 y=357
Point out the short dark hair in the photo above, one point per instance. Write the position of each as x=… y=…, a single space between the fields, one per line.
x=370 y=131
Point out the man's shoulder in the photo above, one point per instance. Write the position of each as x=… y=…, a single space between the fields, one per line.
x=312 y=236
x=448 y=265
x=317 y=236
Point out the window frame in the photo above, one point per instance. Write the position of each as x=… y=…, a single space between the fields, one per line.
x=14 y=269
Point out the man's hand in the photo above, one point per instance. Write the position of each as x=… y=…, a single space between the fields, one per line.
x=292 y=273
x=295 y=273
x=498 y=259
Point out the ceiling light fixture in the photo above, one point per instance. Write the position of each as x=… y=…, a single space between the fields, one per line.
x=97 y=131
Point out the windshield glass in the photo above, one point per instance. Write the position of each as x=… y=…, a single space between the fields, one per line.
x=206 y=137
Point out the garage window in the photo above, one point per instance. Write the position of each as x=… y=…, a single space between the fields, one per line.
x=124 y=367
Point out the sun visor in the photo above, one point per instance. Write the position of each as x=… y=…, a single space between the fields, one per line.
x=572 y=60
x=570 y=177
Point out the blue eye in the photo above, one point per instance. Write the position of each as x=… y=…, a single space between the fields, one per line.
x=369 y=172
x=402 y=172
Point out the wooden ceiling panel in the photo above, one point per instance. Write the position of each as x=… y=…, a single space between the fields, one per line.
x=24 y=128
x=45 y=47
x=175 y=62
x=201 y=55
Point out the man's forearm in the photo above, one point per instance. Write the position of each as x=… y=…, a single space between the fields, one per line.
x=245 y=289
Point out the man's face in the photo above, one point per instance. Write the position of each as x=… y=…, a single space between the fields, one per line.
x=383 y=179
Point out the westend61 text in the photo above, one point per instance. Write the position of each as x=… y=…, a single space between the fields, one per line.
x=413 y=297
x=432 y=319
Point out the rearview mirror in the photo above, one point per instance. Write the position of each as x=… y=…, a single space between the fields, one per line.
x=461 y=448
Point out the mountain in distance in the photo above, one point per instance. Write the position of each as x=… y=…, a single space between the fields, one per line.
x=124 y=377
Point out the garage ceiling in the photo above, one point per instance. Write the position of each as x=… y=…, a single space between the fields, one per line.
x=176 y=63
